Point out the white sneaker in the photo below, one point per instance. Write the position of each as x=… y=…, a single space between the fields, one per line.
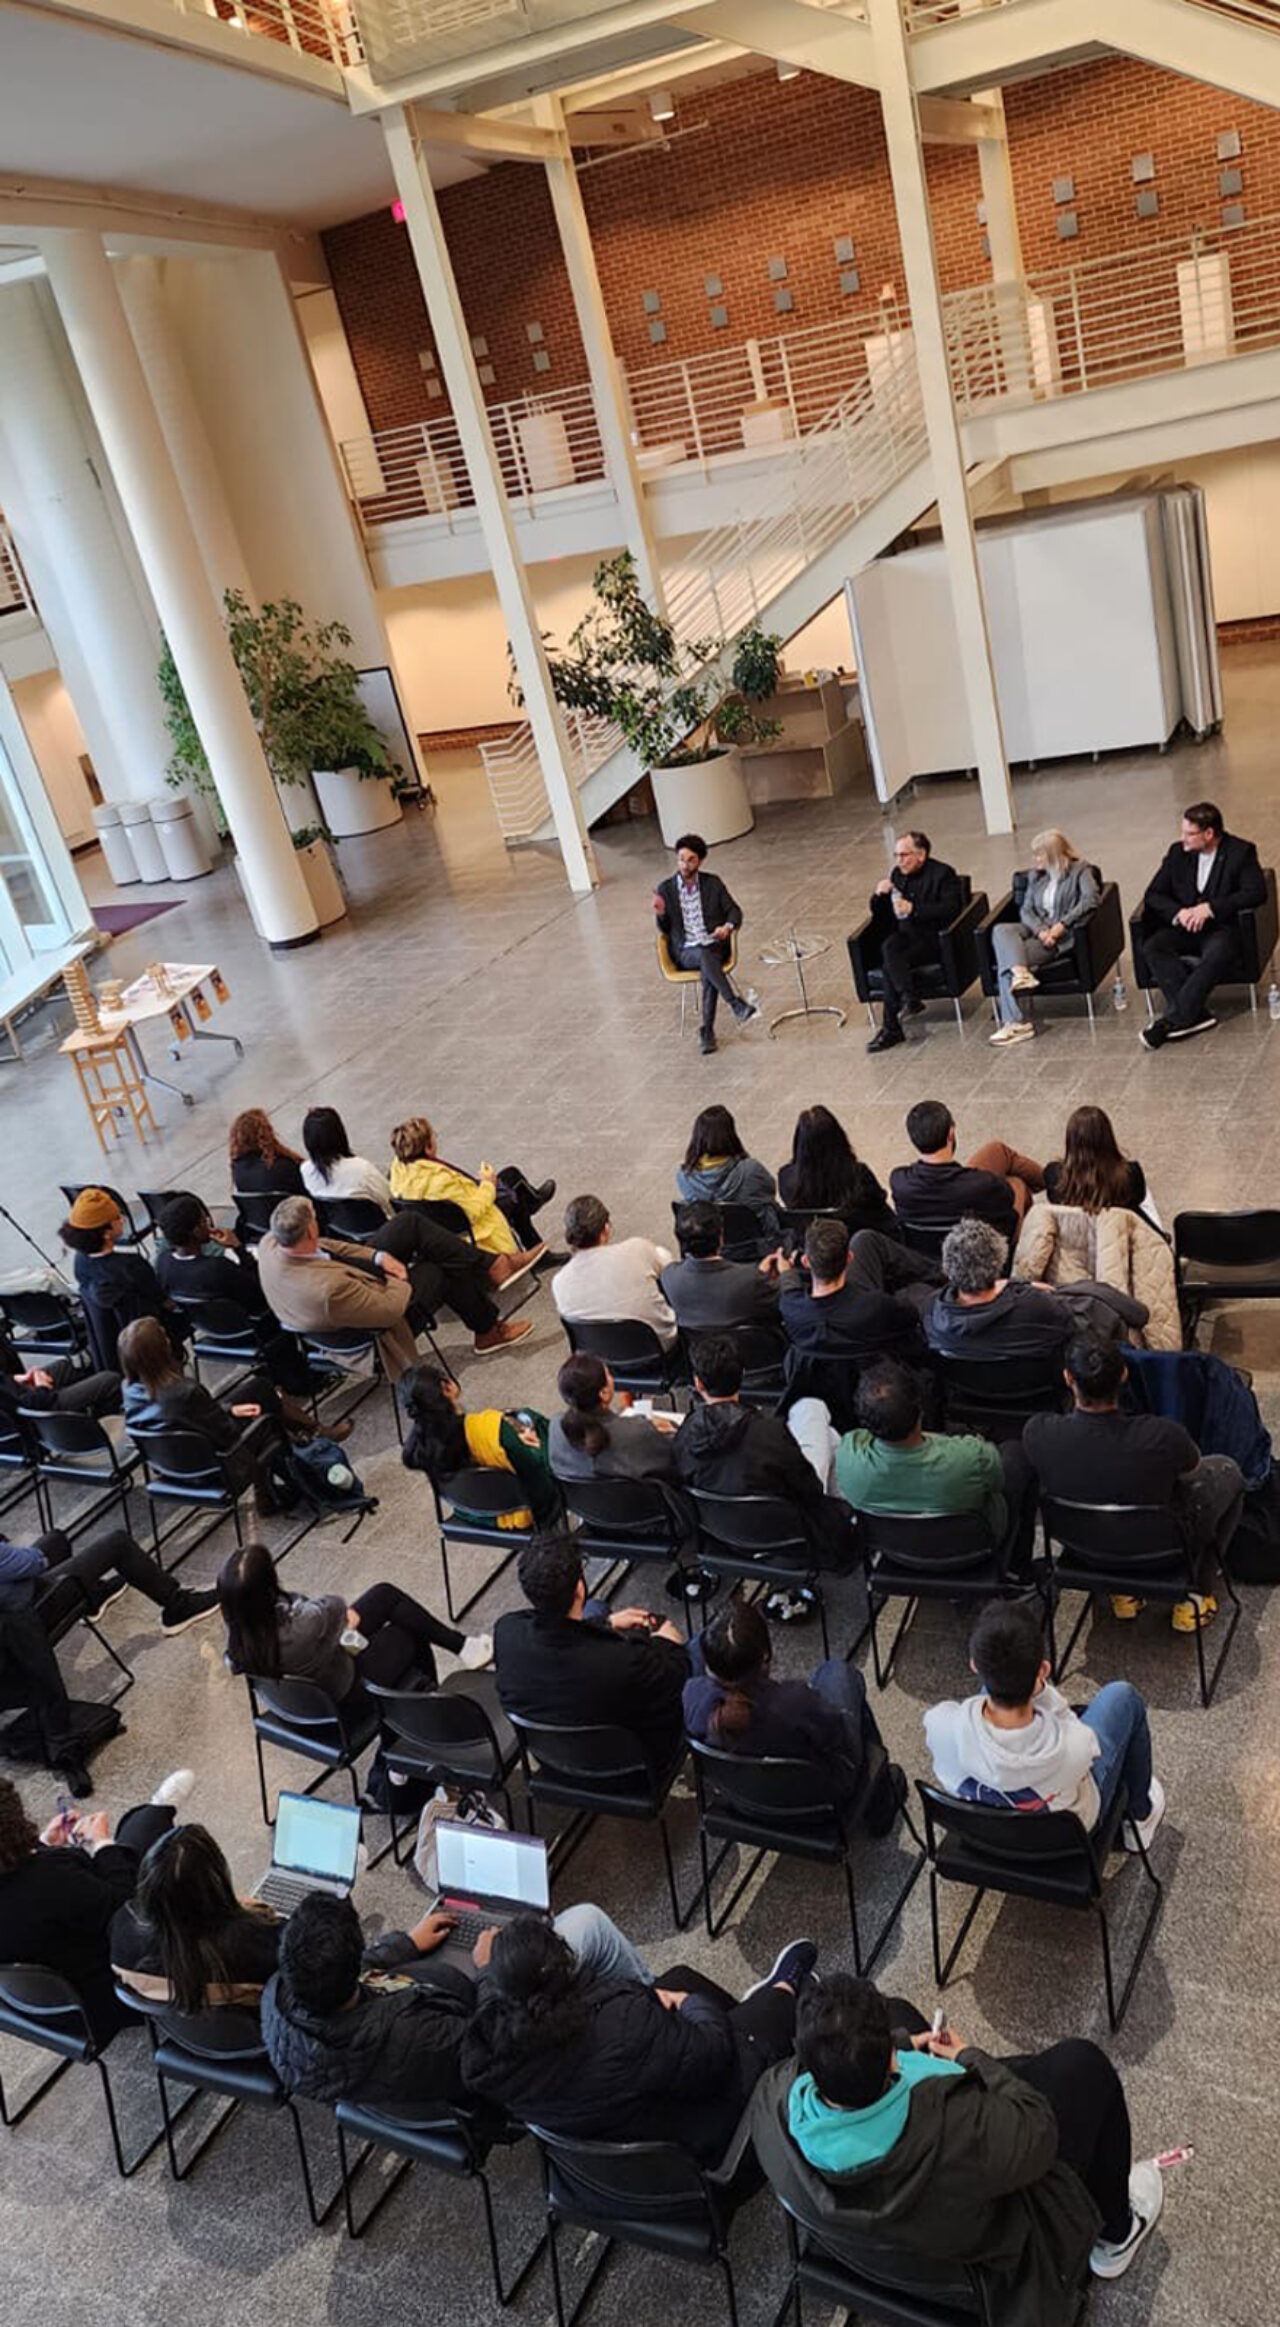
x=1019 y=1031
x=1146 y=1827
x=1146 y=2197
x=1023 y=981
x=172 y=1791
x=476 y=1651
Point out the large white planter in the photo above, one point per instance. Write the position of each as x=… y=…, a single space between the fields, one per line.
x=322 y=882
x=709 y=797
x=351 y=803
x=300 y=805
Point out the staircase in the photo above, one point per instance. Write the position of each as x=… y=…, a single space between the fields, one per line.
x=849 y=486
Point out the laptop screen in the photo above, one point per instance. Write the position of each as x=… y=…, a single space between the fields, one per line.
x=316 y=1838
x=482 y=1862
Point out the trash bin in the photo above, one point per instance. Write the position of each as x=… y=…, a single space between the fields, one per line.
x=180 y=838
x=114 y=843
x=135 y=815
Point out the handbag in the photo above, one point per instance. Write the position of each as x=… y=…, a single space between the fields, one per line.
x=472 y=1809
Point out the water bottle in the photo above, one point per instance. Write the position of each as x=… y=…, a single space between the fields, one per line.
x=1119 y=998
x=1273 y=1000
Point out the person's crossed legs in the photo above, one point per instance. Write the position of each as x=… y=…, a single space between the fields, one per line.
x=1118 y=1719
x=1187 y=966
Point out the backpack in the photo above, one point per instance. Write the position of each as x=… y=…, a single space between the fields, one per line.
x=322 y=1475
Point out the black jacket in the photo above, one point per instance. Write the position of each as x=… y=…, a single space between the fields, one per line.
x=933 y=1195
x=718 y=907
x=707 y=1295
x=182 y=1405
x=738 y=1450
x=566 y=1672
x=936 y=894
x=863 y=1205
x=1233 y=886
x=398 y=2047
x=850 y=1323
x=252 y=1176
x=213 y=1276
x=56 y=1909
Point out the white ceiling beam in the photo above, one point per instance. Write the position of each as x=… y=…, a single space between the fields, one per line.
x=36 y=203
x=958 y=121
x=818 y=40
x=484 y=136
x=633 y=125
x=655 y=73
x=530 y=58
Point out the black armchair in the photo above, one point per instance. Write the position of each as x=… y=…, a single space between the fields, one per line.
x=1078 y=968
x=947 y=979
x=1257 y=935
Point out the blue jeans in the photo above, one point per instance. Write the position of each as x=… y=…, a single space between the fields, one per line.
x=1118 y=1719
x=600 y=1947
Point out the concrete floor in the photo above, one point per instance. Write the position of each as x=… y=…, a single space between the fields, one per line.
x=468 y=984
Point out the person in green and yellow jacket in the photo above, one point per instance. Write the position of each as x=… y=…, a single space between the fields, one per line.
x=444 y=1439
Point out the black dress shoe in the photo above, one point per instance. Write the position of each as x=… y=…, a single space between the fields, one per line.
x=706 y=1043
x=913 y=1009
x=541 y=1195
x=887 y=1039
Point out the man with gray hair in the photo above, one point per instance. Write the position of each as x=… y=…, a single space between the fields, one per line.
x=329 y=1284
x=983 y=1312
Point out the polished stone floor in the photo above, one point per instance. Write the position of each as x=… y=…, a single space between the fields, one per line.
x=467 y=984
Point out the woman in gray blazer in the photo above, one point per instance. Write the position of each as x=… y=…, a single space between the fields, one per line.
x=1061 y=892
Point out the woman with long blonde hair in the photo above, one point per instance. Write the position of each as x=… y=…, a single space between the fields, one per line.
x=1061 y=892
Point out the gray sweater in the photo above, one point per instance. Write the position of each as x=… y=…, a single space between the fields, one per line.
x=634 y=1449
x=311 y=1641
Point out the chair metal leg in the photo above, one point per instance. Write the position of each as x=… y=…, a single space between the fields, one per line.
x=125 y=2169
x=955 y=1004
x=319 y=2214
x=570 y=2318
x=1253 y=1000
x=716 y=1923
x=45 y=2085
x=508 y=2293
x=267 y=1818
x=942 y=1970
x=731 y=2292
x=103 y=1642
x=1088 y=1003
x=681 y=1915
x=349 y=2170
x=1151 y=1008
x=1209 y=1682
x=883 y=1672
x=1077 y=1628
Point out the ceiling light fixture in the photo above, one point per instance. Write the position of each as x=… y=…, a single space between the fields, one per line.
x=787 y=72
x=662 y=105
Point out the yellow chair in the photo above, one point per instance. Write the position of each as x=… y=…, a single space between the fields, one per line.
x=675 y=976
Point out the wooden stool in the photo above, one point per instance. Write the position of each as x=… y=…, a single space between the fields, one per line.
x=109 y=1080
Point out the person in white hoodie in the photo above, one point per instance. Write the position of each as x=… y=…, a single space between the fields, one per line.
x=1017 y=1744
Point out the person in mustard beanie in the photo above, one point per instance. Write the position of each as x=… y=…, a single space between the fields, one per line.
x=115 y=1286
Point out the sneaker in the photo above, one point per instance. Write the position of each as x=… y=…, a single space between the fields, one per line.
x=791 y=1966
x=1196 y=1613
x=706 y=1042
x=1019 y=1031
x=1124 y=1607
x=1111 y=2258
x=1184 y=1033
x=748 y=1011
x=1140 y=1832
x=499 y=1336
x=1154 y=1036
x=476 y=1651
x=887 y=1039
x=1024 y=981
x=788 y=1607
x=187 y=1608
x=172 y=1791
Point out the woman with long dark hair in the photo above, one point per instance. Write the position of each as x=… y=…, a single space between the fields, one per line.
x=597 y=1437
x=718 y=1170
x=1093 y=1174
x=823 y=1174
x=186 y=1937
x=443 y=1439
x=60 y=1888
x=261 y=1164
x=384 y=1636
x=332 y=1172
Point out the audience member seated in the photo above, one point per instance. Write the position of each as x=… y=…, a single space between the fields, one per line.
x=735 y=1703
x=726 y=1448
x=115 y=1286
x=338 y=2028
x=984 y=1313
x=499 y=1205
x=59 y=1890
x=384 y=1636
x=1092 y=1174
x=261 y=1165
x=53 y=1389
x=565 y=1660
x=1097 y=1454
x=718 y=1170
x=1061 y=893
x=250 y=1436
x=599 y=1436
x=185 y=1937
x=331 y=1172
x=444 y=1439
x=709 y=1294
x=822 y=1174
x=828 y=1315
x=620 y=2058
x=32 y=1576
x=198 y=1262
x=604 y=1281
x=323 y=1284
x=880 y=2132
x=1018 y=1745
x=996 y=1184
x=892 y=1464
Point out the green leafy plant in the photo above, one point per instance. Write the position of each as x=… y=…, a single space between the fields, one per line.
x=306 y=834
x=622 y=662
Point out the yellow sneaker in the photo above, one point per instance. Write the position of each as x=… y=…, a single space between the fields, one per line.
x=1125 y=1607
x=1192 y=1615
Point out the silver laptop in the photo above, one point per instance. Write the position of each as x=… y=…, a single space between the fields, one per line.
x=315 y=1848
x=486 y=1876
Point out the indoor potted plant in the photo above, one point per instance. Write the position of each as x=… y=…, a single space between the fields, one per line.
x=682 y=720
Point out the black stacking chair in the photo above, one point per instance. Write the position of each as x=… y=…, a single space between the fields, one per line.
x=468 y=1508
x=153 y=1201
x=45 y=1325
x=997 y=1395
x=354 y=1217
x=445 y=1737
x=809 y=1373
x=597 y=1770
x=1257 y=935
x=253 y=1212
x=219 y=2051
x=40 y=2008
x=892 y=2285
x=744 y=1239
x=624 y=1520
x=301 y=1717
x=182 y=1470
x=430 y=2133
x=1030 y=1854
x=1131 y=1548
x=75 y=1449
x=632 y=1351
x=771 y=1803
x=61 y=1603
x=357 y=1356
x=946 y=979
x=222 y=1334
x=19 y=1467
x=762 y=1350
x=650 y=2194
x=759 y=1540
x=925 y=1555
x=134 y=1231
x=1224 y=1256
x=1081 y=965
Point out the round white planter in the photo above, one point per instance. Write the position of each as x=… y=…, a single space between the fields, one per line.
x=351 y=803
x=300 y=805
x=709 y=797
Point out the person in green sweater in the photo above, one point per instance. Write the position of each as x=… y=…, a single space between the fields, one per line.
x=891 y=1463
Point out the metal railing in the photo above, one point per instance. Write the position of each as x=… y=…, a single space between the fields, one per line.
x=544 y=444
x=15 y=590
x=315 y=28
x=758 y=392
x=402 y=36
x=923 y=15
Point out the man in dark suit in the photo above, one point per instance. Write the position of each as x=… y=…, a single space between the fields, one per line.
x=924 y=896
x=710 y=1294
x=1207 y=880
x=566 y=1661
x=697 y=917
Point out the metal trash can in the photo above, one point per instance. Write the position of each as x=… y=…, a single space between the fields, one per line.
x=135 y=815
x=114 y=843
x=179 y=836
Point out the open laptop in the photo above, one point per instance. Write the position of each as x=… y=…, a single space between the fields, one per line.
x=486 y=1876
x=315 y=1848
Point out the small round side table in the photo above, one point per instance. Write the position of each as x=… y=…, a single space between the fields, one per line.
x=798 y=950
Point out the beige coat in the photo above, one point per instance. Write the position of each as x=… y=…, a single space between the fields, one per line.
x=328 y=1296
x=1060 y=1245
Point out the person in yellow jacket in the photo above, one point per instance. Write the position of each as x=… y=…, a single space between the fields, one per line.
x=499 y=1205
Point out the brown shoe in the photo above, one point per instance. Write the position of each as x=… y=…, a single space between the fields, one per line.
x=508 y=1329
x=337 y=1430
x=510 y=1265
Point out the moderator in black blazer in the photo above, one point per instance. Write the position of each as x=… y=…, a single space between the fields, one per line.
x=1234 y=885
x=935 y=892
x=718 y=907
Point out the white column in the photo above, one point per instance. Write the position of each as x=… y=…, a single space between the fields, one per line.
x=613 y=412
x=440 y=290
x=96 y=325
x=915 y=233
x=1005 y=245
x=53 y=493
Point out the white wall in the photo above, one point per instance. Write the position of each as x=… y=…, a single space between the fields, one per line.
x=825 y=644
x=57 y=740
x=337 y=384
x=1242 y=509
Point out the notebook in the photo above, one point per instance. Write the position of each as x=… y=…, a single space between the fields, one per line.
x=315 y=1848
x=486 y=1875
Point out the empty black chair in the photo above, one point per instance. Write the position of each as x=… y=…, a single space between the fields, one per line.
x=134 y=1231
x=925 y=1555
x=223 y=1334
x=468 y=1508
x=39 y=2007
x=631 y=1350
x=1130 y=1548
x=1030 y=1854
x=19 y=1467
x=445 y=1737
x=356 y=1356
x=797 y=1221
x=355 y=1217
x=1224 y=1256
x=450 y=2141
x=758 y=1539
x=650 y=2194
x=775 y=1803
x=1257 y=931
x=220 y=2051
x=810 y=1373
x=444 y=1214
x=301 y=1717
x=78 y=1449
x=61 y=1603
x=183 y=1470
x=1089 y=955
x=946 y=978
x=253 y=1212
x=997 y=1395
x=624 y=1519
x=45 y=1325
x=597 y=1770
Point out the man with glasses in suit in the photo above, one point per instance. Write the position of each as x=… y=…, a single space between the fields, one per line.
x=1208 y=879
